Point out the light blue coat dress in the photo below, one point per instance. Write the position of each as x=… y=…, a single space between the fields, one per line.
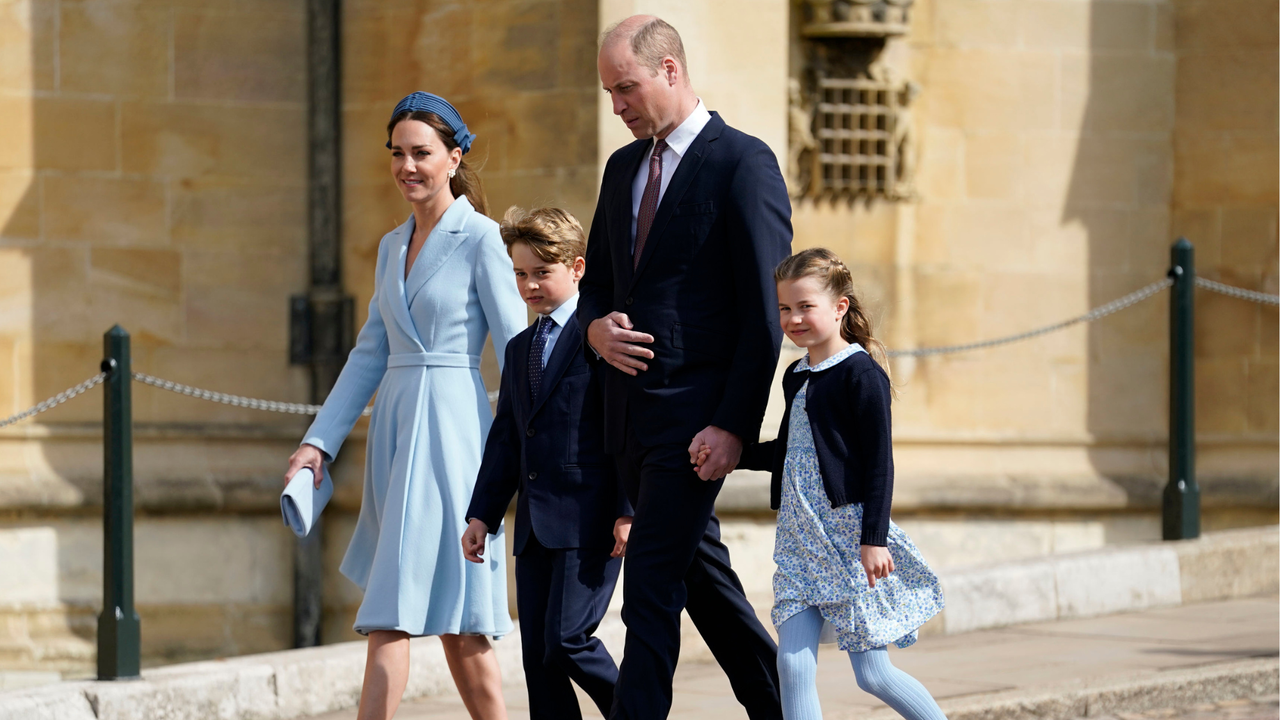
x=420 y=350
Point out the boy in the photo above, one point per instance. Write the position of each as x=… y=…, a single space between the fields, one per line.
x=547 y=441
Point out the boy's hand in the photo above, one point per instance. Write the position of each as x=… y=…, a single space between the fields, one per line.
x=621 y=531
x=473 y=540
x=877 y=561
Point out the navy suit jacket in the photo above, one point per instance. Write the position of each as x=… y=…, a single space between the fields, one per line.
x=551 y=449
x=703 y=288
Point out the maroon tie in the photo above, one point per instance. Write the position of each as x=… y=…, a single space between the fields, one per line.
x=649 y=201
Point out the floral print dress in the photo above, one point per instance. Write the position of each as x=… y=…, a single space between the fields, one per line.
x=819 y=559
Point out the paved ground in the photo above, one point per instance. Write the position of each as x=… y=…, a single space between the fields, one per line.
x=1022 y=657
x=1267 y=708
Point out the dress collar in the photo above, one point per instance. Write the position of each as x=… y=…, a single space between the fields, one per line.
x=830 y=362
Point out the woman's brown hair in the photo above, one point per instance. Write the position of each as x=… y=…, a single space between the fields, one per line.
x=466 y=181
x=821 y=263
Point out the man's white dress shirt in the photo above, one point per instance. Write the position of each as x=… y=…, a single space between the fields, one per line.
x=678 y=143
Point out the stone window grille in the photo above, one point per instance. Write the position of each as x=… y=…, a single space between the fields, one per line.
x=854 y=130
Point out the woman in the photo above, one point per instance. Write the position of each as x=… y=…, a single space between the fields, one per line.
x=443 y=282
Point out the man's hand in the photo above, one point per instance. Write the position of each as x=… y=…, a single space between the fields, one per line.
x=877 y=562
x=621 y=531
x=726 y=450
x=473 y=540
x=306 y=456
x=613 y=337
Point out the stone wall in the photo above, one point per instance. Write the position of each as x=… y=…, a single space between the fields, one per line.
x=153 y=173
x=1224 y=200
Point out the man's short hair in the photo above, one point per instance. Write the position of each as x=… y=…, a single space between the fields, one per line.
x=650 y=43
x=552 y=234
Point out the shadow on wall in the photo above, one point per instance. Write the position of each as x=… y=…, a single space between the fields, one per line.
x=165 y=190
x=1169 y=84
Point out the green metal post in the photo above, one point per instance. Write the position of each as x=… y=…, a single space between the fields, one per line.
x=119 y=643
x=1182 y=495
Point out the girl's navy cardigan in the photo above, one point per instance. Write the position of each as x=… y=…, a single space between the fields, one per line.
x=848 y=407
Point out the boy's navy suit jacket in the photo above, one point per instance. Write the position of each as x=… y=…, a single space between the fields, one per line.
x=551 y=449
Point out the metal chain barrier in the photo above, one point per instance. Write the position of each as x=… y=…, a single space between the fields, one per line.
x=1132 y=298
x=56 y=400
x=1241 y=293
x=1101 y=311
x=228 y=399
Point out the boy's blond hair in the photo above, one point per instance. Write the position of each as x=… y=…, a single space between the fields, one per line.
x=552 y=234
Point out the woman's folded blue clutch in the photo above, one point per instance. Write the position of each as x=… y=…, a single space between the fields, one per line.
x=302 y=502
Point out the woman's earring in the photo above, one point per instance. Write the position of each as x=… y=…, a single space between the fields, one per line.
x=452 y=172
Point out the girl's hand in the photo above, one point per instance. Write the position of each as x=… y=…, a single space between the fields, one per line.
x=621 y=531
x=306 y=456
x=473 y=540
x=704 y=451
x=877 y=561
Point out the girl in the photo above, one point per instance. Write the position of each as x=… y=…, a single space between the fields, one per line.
x=844 y=569
x=441 y=286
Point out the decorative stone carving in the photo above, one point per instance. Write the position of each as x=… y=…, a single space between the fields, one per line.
x=856 y=18
x=801 y=141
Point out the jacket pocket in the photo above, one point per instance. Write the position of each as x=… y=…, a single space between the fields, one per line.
x=701 y=208
x=700 y=340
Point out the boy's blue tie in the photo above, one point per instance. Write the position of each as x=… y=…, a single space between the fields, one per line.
x=545 y=323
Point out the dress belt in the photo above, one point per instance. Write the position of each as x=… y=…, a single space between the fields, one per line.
x=426 y=359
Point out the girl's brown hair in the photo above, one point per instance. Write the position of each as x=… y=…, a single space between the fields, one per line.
x=821 y=263
x=466 y=181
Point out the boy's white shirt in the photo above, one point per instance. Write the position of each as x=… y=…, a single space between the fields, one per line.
x=559 y=317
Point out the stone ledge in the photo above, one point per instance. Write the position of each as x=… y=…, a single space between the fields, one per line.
x=298 y=683
x=1235 y=563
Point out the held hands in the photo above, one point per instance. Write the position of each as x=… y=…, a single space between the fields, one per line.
x=306 y=456
x=612 y=336
x=473 y=540
x=715 y=452
x=877 y=561
x=621 y=531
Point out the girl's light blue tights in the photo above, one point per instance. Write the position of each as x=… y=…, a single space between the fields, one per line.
x=798 y=672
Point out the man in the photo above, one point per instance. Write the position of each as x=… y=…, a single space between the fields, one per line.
x=679 y=299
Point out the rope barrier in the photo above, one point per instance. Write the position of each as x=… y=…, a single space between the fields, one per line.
x=1101 y=311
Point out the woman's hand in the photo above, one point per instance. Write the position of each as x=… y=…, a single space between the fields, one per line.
x=877 y=561
x=621 y=531
x=306 y=456
x=473 y=540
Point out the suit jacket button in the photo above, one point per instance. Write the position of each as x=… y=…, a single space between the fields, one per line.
x=533 y=476
x=530 y=432
x=630 y=300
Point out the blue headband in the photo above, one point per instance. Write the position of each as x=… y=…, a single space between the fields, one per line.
x=426 y=102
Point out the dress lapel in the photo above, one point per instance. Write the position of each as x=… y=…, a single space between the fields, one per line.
x=441 y=242
x=393 y=282
x=568 y=345
x=685 y=172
